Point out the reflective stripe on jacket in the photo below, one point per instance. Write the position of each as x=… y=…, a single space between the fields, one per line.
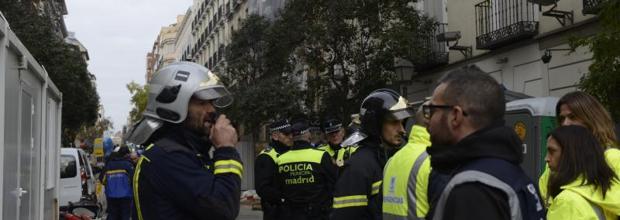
x=406 y=177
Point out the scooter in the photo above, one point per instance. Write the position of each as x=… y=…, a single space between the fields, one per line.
x=85 y=209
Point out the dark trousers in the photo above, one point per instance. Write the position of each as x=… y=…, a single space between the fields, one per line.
x=306 y=212
x=119 y=208
x=271 y=211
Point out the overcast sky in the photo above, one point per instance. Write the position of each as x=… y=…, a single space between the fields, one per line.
x=118 y=34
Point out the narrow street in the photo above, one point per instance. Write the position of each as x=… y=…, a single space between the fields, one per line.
x=342 y=110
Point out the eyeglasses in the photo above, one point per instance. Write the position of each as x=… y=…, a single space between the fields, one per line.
x=428 y=111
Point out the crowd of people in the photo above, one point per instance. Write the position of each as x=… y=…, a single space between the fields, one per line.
x=460 y=161
x=451 y=158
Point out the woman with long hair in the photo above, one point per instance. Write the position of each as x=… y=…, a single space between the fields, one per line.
x=582 y=109
x=581 y=179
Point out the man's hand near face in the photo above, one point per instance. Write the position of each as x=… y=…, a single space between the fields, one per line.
x=223 y=134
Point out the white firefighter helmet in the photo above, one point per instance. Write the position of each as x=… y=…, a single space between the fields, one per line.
x=170 y=91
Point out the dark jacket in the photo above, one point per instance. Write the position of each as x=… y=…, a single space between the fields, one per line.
x=176 y=179
x=117 y=176
x=358 y=189
x=474 y=200
x=265 y=177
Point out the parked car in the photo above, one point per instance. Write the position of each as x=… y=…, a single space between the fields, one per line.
x=77 y=181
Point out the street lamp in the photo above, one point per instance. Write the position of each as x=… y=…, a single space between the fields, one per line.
x=405 y=72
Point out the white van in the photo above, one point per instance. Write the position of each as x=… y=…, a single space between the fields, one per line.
x=76 y=176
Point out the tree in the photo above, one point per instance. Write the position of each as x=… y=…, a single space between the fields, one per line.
x=88 y=134
x=348 y=47
x=260 y=93
x=63 y=63
x=139 y=98
x=320 y=57
x=603 y=81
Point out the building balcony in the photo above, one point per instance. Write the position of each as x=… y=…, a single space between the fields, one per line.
x=435 y=51
x=502 y=22
x=592 y=6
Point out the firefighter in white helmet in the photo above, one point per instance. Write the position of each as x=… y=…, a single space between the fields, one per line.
x=176 y=178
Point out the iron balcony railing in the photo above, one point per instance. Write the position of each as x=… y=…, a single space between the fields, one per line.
x=501 y=22
x=592 y=6
x=435 y=52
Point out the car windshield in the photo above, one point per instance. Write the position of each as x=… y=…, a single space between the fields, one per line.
x=68 y=166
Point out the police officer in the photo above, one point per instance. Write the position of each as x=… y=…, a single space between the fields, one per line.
x=407 y=175
x=176 y=178
x=334 y=133
x=358 y=190
x=307 y=177
x=266 y=169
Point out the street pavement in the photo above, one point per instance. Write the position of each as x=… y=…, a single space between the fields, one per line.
x=246 y=213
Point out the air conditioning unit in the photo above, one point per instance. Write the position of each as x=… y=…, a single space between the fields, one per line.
x=449 y=36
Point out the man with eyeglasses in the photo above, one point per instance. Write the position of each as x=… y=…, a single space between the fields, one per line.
x=477 y=152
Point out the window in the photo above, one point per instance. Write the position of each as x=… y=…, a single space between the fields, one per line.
x=68 y=166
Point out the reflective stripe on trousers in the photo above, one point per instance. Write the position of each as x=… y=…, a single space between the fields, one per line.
x=411 y=189
x=477 y=176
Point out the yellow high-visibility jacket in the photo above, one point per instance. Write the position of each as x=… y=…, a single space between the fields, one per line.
x=405 y=179
x=613 y=159
x=585 y=202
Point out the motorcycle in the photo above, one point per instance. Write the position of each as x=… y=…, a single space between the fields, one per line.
x=85 y=209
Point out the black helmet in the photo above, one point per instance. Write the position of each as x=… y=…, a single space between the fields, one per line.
x=380 y=106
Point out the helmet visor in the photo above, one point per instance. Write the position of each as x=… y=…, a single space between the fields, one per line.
x=354 y=138
x=143 y=130
x=400 y=114
x=219 y=94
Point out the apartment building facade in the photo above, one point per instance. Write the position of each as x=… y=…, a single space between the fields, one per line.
x=521 y=43
x=163 y=51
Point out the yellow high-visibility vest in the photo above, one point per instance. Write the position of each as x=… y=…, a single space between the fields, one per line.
x=270 y=152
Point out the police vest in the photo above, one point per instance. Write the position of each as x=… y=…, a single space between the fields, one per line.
x=340 y=155
x=344 y=154
x=270 y=152
x=404 y=196
x=297 y=167
x=303 y=178
x=523 y=199
x=327 y=148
